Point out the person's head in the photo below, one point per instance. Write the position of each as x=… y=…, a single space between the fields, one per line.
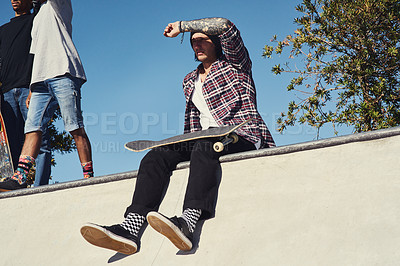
x=21 y=7
x=207 y=48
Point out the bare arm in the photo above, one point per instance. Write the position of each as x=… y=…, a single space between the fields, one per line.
x=209 y=26
x=28 y=99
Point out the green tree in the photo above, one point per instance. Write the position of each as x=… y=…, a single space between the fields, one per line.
x=61 y=142
x=347 y=67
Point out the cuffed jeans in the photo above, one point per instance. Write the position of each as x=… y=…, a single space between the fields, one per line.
x=204 y=176
x=14 y=110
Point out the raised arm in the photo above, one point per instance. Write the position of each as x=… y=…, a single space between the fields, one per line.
x=209 y=26
x=232 y=44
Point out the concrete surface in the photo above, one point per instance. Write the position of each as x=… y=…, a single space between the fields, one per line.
x=330 y=202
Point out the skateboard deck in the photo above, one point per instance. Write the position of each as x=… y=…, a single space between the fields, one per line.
x=6 y=165
x=226 y=133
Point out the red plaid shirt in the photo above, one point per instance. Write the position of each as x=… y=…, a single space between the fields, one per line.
x=229 y=92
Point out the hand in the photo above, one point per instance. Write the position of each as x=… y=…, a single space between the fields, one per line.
x=28 y=99
x=172 y=30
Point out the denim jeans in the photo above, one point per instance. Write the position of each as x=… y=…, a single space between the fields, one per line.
x=66 y=91
x=14 y=112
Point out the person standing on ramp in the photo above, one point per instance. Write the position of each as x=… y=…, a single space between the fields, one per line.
x=57 y=74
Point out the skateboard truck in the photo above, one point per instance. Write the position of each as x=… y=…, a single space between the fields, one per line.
x=231 y=138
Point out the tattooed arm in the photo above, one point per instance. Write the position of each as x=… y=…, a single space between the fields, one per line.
x=209 y=26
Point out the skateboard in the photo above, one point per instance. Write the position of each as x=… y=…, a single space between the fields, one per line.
x=6 y=165
x=226 y=134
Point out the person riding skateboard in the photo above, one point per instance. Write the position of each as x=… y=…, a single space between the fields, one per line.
x=57 y=74
x=219 y=92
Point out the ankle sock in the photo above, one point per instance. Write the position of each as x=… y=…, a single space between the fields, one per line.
x=25 y=163
x=191 y=216
x=87 y=169
x=133 y=222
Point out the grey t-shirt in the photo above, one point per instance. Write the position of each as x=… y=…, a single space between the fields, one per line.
x=52 y=45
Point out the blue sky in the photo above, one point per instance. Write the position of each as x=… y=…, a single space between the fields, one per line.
x=135 y=74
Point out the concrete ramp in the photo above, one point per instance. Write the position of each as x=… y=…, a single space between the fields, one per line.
x=329 y=202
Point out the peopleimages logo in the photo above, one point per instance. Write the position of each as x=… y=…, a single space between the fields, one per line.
x=164 y=125
x=129 y=123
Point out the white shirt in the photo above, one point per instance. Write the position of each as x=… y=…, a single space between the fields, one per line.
x=206 y=118
x=52 y=45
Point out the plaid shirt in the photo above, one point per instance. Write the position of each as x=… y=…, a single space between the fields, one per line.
x=229 y=92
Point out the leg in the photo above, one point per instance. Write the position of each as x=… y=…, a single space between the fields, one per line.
x=25 y=163
x=66 y=90
x=43 y=160
x=84 y=151
x=43 y=168
x=153 y=178
x=82 y=144
x=200 y=196
x=204 y=178
x=201 y=193
x=205 y=174
x=14 y=123
x=39 y=103
x=41 y=109
x=32 y=144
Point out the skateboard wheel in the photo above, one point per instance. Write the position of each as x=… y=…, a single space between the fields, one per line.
x=218 y=146
x=234 y=137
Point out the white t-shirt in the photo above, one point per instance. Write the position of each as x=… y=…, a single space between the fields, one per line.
x=206 y=118
x=52 y=45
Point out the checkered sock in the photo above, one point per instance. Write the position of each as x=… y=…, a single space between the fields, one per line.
x=133 y=222
x=87 y=169
x=25 y=163
x=191 y=216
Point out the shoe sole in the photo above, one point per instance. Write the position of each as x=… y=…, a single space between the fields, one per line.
x=7 y=190
x=165 y=227
x=99 y=236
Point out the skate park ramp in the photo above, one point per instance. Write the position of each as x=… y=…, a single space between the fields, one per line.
x=326 y=202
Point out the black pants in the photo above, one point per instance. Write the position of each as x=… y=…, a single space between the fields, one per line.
x=204 y=176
